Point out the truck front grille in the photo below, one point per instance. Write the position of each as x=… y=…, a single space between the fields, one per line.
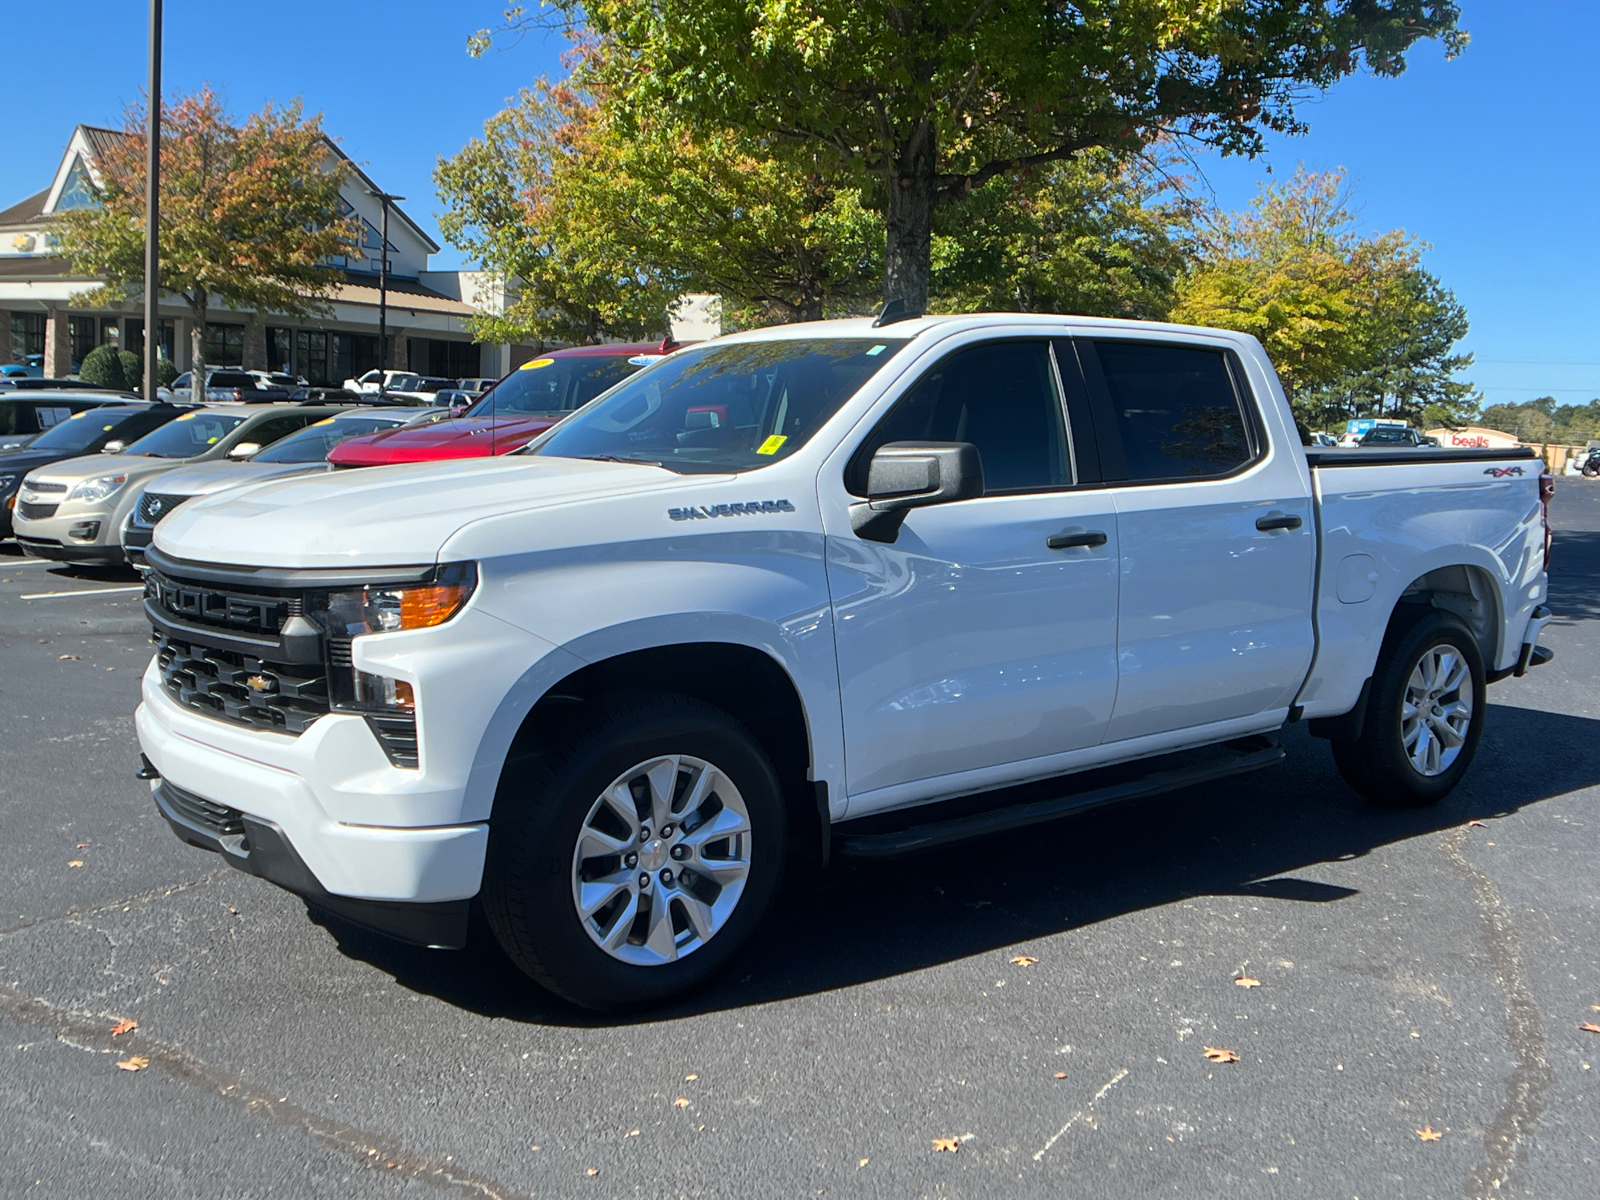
x=200 y=604
x=236 y=687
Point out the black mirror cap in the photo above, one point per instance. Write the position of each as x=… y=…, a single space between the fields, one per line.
x=907 y=475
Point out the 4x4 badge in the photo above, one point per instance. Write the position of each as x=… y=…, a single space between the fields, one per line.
x=751 y=509
x=1502 y=472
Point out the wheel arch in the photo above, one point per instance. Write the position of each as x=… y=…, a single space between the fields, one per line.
x=1469 y=592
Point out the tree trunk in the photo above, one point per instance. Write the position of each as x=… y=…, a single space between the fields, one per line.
x=908 y=248
x=197 y=347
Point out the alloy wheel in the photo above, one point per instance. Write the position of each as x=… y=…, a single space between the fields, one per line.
x=1436 y=712
x=661 y=860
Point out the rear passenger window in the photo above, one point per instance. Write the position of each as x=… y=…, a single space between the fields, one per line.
x=1176 y=409
x=1001 y=397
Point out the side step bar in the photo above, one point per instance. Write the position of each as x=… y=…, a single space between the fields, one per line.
x=1240 y=756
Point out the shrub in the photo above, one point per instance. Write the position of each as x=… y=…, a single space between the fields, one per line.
x=103 y=366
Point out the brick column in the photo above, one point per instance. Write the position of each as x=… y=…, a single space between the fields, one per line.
x=57 y=343
x=5 y=335
x=255 y=346
x=398 y=357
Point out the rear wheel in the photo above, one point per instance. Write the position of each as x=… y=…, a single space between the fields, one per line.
x=1424 y=713
x=633 y=862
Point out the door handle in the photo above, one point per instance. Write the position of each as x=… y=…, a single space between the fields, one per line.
x=1278 y=521
x=1075 y=537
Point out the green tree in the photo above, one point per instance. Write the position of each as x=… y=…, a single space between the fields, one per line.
x=921 y=103
x=599 y=225
x=250 y=214
x=1354 y=324
x=1101 y=235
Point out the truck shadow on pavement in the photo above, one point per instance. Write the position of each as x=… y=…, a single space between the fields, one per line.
x=1260 y=835
x=1575 y=575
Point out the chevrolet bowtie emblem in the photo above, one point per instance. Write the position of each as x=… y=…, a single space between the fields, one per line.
x=258 y=683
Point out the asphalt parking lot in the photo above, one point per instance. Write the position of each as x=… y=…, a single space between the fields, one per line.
x=1423 y=971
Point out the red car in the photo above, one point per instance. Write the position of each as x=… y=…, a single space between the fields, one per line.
x=512 y=413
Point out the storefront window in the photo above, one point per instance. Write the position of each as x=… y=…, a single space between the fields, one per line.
x=311 y=352
x=27 y=336
x=280 y=349
x=224 y=345
x=85 y=335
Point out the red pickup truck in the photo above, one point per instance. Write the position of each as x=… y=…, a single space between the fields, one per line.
x=512 y=413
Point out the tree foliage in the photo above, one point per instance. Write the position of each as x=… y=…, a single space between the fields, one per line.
x=598 y=226
x=919 y=103
x=1355 y=325
x=1543 y=420
x=250 y=213
x=1102 y=235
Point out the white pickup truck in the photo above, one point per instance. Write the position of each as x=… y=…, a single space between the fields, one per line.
x=838 y=585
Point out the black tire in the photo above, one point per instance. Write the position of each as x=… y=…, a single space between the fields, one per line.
x=540 y=812
x=1377 y=763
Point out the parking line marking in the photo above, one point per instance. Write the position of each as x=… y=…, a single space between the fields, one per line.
x=83 y=592
x=1084 y=1114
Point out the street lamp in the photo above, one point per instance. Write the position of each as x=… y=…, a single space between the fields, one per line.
x=385 y=199
x=152 y=209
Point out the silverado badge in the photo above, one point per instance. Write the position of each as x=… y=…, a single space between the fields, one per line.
x=750 y=509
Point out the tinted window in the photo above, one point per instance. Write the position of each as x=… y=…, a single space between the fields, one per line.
x=721 y=407
x=191 y=433
x=91 y=429
x=1001 y=397
x=554 y=385
x=312 y=445
x=1389 y=436
x=231 y=379
x=1176 y=410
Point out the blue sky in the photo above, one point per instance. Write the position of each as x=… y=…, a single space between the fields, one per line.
x=1492 y=158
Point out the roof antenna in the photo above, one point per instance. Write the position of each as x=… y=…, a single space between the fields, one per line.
x=894 y=310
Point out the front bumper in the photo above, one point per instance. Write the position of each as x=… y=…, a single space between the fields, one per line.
x=59 y=537
x=262 y=848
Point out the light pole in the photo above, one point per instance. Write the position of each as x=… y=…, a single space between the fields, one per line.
x=385 y=199
x=152 y=209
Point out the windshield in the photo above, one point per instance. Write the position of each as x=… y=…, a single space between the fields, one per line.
x=82 y=430
x=723 y=408
x=553 y=384
x=188 y=435
x=1381 y=435
x=312 y=444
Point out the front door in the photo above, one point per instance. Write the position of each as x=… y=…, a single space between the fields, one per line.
x=970 y=645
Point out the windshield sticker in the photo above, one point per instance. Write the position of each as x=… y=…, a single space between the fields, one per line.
x=772 y=445
x=325 y=421
x=537 y=363
x=876 y=350
x=188 y=416
x=75 y=416
x=752 y=509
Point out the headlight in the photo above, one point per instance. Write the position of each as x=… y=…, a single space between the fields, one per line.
x=386 y=608
x=97 y=488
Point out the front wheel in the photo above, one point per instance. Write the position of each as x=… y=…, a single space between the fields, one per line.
x=1424 y=713
x=631 y=862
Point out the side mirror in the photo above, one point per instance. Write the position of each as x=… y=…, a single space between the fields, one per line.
x=907 y=475
x=114 y=446
x=244 y=450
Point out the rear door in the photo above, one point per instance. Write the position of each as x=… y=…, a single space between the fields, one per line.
x=1218 y=549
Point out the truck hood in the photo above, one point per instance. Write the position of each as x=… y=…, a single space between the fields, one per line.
x=388 y=516
x=461 y=437
x=204 y=478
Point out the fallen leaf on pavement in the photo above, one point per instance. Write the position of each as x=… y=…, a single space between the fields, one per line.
x=592 y=1172
x=681 y=1102
x=631 y=1133
x=123 y=1026
x=1479 y=824
x=1061 y=1074
x=77 y=862
x=135 y=1062
x=942 y=1144
x=1589 y=1027
x=81 y=846
x=690 y=1078
x=1023 y=960
x=1219 y=1055
x=1429 y=1134
x=1245 y=981
x=68 y=658
x=862 y=1163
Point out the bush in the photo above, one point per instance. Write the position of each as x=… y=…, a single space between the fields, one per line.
x=132 y=369
x=166 y=371
x=103 y=366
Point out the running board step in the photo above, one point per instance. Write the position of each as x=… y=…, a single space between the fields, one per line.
x=1238 y=757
